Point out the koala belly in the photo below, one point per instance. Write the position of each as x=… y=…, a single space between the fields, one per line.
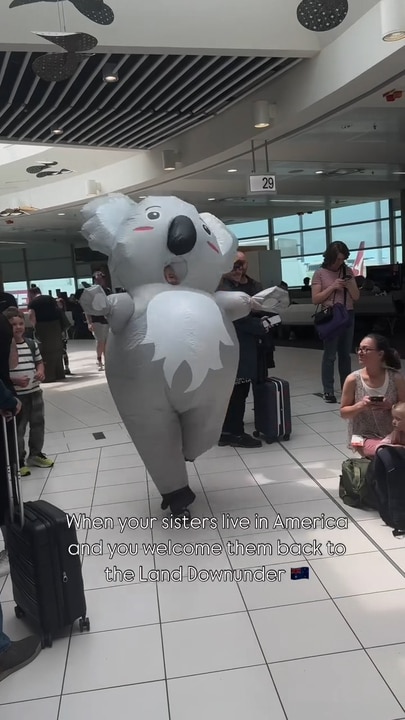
x=181 y=352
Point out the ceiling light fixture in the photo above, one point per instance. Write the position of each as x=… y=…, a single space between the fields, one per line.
x=319 y=172
x=211 y=199
x=170 y=159
x=55 y=130
x=60 y=214
x=110 y=74
x=232 y=170
x=261 y=112
x=392 y=20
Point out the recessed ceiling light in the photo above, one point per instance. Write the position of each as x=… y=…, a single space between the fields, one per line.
x=61 y=214
x=141 y=197
x=232 y=170
x=319 y=172
x=399 y=172
x=210 y=199
x=55 y=130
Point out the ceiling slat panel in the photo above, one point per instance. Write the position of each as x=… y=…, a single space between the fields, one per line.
x=157 y=97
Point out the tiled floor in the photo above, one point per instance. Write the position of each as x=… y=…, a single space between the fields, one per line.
x=330 y=646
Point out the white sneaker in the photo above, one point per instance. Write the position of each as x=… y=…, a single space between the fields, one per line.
x=4 y=564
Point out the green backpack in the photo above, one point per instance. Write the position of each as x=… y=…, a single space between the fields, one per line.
x=356 y=486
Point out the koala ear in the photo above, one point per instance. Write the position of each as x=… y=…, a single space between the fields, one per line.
x=103 y=218
x=227 y=241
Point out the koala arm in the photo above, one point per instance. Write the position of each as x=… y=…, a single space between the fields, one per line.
x=235 y=304
x=117 y=309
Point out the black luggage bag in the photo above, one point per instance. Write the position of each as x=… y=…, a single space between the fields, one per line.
x=272 y=410
x=47 y=580
x=389 y=484
x=272 y=404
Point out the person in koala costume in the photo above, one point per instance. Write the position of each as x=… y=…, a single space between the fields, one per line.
x=172 y=352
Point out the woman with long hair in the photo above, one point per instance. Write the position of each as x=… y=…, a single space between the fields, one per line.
x=334 y=283
x=370 y=393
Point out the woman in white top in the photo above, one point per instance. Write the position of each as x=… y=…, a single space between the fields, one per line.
x=369 y=393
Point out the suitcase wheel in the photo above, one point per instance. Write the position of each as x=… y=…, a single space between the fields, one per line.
x=19 y=613
x=269 y=441
x=84 y=624
x=46 y=640
x=286 y=437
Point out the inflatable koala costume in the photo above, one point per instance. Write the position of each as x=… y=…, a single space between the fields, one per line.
x=172 y=352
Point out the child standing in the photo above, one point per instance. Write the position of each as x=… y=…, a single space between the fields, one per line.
x=26 y=377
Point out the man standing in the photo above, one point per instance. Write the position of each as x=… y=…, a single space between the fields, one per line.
x=97 y=324
x=47 y=321
x=250 y=330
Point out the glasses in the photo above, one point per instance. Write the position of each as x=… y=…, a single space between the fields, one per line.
x=237 y=267
x=365 y=350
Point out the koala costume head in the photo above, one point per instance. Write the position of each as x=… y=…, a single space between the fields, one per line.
x=142 y=239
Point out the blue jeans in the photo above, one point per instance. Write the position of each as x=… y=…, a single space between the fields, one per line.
x=5 y=641
x=342 y=347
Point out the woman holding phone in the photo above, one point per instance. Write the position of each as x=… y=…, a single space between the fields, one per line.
x=370 y=392
x=332 y=283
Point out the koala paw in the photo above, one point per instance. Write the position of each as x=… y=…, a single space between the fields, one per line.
x=94 y=301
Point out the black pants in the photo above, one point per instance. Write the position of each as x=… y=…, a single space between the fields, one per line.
x=4 y=502
x=233 y=423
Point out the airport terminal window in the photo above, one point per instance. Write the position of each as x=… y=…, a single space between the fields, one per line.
x=294 y=269
x=66 y=285
x=262 y=241
x=360 y=213
x=313 y=220
x=373 y=234
x=307 y=242
x=283 y=225
x=19 y=290
x=251 y=229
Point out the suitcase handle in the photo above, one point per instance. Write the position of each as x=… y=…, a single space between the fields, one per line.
x=13 y=481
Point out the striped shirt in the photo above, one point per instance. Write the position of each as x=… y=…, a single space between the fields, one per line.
x=26 y=366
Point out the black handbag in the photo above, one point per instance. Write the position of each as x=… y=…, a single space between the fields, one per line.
x=323 y=316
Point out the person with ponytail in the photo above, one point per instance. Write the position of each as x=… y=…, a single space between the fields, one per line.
x=370 y=393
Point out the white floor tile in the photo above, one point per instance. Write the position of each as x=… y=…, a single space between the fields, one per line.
x=69 y=500
x=100 y=571
x=195 y=599
x=231 y=500
x=74 y=467
x=284 y=473
x=224 y=695
x=108 y=659
x=390 y=661
x=357 y=574
x=270 y=548
x=267 y=459
x=105 y=495
x=324 y=468
x=305 y=441
x=377 y=619
x=41 y=678
x=312 y=454
x=287 y=492
x=208 y=644
x=45 y=709
x=282 y=591
x=334 y=686
x=207 y=466
x=298 y=631
x=227 y=480
x=122 y=702
x=56 y=484
x=382 y=534
x=398 y=556
x=121 y=476
x=122 y=606
x=78 y=456
x=116 y=462
x=118 y=450
x=246 y=521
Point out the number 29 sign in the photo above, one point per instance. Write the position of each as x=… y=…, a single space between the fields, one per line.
x=262 y=184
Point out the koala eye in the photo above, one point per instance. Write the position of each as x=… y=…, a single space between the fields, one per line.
x=153 y=215
x=207 y=230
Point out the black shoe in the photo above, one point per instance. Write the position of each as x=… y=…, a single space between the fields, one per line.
x=18 y=655
x=329 y=398
x=67 y=371
x=243 y=441
x=178 y=500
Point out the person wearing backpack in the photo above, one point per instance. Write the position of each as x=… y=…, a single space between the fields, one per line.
x=26 y=377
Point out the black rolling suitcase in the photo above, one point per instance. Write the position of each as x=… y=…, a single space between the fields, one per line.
x=388 y=468
x=47 y=580
x=272 y=405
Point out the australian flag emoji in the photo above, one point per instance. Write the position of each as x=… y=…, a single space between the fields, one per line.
x=301 y=573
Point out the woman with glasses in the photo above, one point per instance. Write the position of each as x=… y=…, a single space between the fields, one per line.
x=370 y=392
x=334 y=283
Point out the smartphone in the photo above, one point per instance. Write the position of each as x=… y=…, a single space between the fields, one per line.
x=376 y=398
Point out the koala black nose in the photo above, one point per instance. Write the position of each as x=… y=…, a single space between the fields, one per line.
x=182 y=235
